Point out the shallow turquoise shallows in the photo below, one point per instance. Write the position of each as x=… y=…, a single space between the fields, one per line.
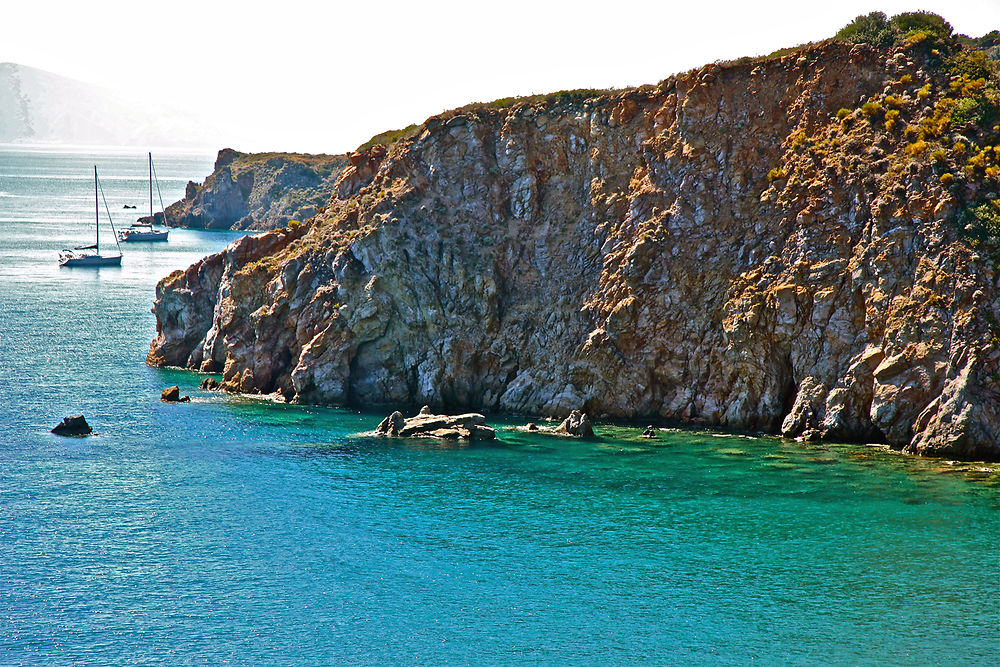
x=234 y=530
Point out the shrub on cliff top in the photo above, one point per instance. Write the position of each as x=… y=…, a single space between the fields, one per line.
x=390 y=137
x=909 y=23
x=868 y=29
x=878 y=30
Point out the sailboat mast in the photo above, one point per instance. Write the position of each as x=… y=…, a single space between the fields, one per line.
x=97 y=217
x=150 y=188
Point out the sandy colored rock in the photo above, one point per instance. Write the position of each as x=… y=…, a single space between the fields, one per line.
x=173 y=395
x=470 y=426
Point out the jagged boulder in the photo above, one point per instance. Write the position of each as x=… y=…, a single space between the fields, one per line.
x=650 y=433
x=73 y=426
x=391 y=425
x=469 y=426
x=210 y=384
x=578 y=424
x=173 y=395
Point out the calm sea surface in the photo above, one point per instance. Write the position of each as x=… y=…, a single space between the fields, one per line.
x=233 y=530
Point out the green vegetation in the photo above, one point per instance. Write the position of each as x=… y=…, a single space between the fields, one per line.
x=981 y=224
x=868 y=29
x=879 y=30
x=389 y=137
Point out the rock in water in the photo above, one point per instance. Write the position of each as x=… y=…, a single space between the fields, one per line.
x=391 y=425
x=578 y=424
x=210 y=384
x=469 y=426
x=650 y=432
x=73 y=426
x=173 y=395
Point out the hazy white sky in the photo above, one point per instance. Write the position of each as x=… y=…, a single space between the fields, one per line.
x=304 y=75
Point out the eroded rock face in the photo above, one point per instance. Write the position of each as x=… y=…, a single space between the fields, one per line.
x=470 y=426
x=257 y=191
x=718 y=249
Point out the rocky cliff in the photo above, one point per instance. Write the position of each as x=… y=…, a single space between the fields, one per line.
x=258 y=191
x=800 y=244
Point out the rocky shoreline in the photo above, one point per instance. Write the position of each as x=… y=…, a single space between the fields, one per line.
x=749 y=246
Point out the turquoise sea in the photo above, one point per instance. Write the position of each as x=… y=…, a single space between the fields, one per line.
x=232 y=530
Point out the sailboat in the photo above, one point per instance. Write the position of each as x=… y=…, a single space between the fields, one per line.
x=144 y=231
x=79 y=255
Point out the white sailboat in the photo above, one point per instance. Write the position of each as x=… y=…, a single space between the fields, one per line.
x=145 y=231
x=80 y=256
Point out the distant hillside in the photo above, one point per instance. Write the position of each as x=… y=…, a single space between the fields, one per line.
x=41 y=107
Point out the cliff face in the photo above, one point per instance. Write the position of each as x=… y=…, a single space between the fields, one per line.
x=718 y=249
x=258 y=191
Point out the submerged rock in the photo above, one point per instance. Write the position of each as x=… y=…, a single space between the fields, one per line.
x=76 y=426
x=469 y=426
x=173 y=395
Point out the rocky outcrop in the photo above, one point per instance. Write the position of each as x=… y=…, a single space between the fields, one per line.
x=173 y=395
x=577 y=424
x=257 y=191
x=471 y=426
x=73 y=426
x=748 y=246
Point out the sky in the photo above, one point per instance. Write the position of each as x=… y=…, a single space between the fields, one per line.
x=314 y=76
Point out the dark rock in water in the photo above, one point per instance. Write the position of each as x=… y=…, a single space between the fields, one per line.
x=73 y=426
x=469 y=426
x=532 y=426
x=211 y=384
x=650 y=432
x=578 y=424
x=173 y=395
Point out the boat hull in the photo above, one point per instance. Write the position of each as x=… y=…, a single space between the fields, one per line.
x=131 y=236
x=90 y=260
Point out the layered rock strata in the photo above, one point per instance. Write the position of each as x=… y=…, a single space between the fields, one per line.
x=719 y=249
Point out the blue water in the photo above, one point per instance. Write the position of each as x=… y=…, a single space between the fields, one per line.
x=235 y=530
